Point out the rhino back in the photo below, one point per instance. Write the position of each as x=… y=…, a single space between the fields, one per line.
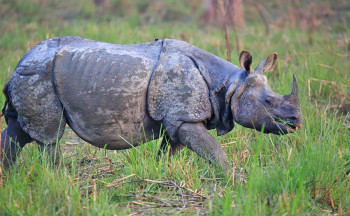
x=103 y=88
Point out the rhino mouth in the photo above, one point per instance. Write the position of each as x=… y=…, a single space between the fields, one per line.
x=286 y=126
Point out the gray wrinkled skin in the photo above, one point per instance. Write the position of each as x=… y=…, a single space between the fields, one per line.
x=103 y=89
x=117 y=96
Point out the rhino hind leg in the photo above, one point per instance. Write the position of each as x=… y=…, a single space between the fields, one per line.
x=168 y=144
x=53 y=152
x=13 y=139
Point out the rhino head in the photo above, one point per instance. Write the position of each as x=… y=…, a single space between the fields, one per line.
x=255 y=105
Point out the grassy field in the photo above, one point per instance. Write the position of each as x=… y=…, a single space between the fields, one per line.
x=305 y=173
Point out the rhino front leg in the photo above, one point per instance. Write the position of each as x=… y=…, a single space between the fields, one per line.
x=173 y=148
x=196 y=137
x=52 y=150
x=13 y=139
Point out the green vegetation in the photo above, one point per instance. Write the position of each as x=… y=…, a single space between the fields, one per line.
x=305 y=173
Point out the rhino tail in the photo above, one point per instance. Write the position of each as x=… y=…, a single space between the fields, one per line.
x=5 y=92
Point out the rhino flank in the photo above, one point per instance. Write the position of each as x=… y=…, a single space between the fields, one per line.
x=118 y=96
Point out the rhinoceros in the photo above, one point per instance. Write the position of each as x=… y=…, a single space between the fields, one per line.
x=118 y=96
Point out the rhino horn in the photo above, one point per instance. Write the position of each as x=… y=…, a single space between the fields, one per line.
x=293 y=96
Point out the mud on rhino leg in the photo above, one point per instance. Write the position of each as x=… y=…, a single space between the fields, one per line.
x=13 y=139
x=53 y=152
x=170 y=145
x=196 y=137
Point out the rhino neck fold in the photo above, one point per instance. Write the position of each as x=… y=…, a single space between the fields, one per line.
x=226 y=122
x=222 y=78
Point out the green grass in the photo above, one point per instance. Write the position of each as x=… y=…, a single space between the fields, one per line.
x=305 y=173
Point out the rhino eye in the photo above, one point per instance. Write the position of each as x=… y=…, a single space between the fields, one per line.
x=268 y=102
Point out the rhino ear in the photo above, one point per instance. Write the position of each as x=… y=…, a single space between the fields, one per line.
x=268 y=64
x=245 y=60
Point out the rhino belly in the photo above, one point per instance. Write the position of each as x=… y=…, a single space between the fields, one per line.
x=103 y=92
